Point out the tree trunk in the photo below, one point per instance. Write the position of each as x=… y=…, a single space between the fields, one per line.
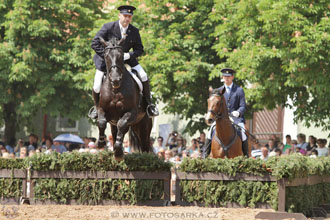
x=10 y=117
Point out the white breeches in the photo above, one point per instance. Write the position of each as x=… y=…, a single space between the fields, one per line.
x=209 y=135
x=99 y=77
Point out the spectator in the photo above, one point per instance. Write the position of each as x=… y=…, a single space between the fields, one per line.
x=127 y=147
x=322 y=150
x=311 y=144
x=194 y=146
x=171 y=141
x=18 y=147
x=92 y=147
x=302 y=144
x=2 y=149
x=5 y=155
x=168 y=155
x=31 y=153
x=48 y=147
x=276 y=140
x=86 y=141
x=256 y=152
x=180 y=147
x=159 y=145
x=271 y=145
x=23 y=152
x=195 y=155
x=110 y=143
x=58 y=147
x=264 y=153
x=278 y=152
x=287 y=149
x=201 y=139
x=184 y=154
x=161 y=153
x=10 y=147
x=314 y=153
x=33 y=142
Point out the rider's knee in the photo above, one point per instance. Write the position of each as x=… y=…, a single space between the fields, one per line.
x=143 y=75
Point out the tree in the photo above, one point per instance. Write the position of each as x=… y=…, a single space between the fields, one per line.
x=45 y=59
x=282 y=49
x=179 y=58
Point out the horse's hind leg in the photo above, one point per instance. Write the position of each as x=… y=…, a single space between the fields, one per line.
x=143 y=130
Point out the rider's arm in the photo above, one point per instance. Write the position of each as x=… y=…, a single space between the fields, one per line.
x=137 y=47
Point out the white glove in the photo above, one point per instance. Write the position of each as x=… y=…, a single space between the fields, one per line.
x=235 y=114
x=126 y=56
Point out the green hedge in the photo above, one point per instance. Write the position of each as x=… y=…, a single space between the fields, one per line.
x=102 y=161
x=11 y=163
x=92 y=191
x=248 y=193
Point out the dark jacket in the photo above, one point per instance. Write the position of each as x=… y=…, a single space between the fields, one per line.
x=112 y=29
x=236 y=102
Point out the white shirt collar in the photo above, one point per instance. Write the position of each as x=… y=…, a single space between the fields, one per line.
x=122 y=29
x=231 y=85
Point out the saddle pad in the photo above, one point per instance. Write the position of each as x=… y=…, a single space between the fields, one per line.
x=137 y=80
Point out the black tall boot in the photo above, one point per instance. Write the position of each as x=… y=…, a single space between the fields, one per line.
x=245 y=148
x=93 y=111
x=152 y=110
x=206 y=148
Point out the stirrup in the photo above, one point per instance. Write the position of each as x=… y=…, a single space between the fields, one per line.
x=152 y=111
x=92 y=113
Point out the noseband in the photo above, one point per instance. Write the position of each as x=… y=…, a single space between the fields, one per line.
x=112 y=47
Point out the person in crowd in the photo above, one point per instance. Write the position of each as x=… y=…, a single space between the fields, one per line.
x=33 y=142
x=180 y=147
x=276 y=140
x=311 y=144
x=59 y=147
x=31 y=153
x=168 y=155
x=322 y=150
x=264 y=153
x=256 y=149
x=201 y=139
x=195 y=155
x=271 y=145
x=23 y=152
x=86 y=140
x=161 y=153
x=92 y=147
x=5 y=155
x=19 y=145
x=184 y=154
x=287 y=149
x=48 y=147
x=110 y=143
x=159 y=145
x=302 y=144
x=11 y=145
x=194 y=146
x=314 y=153
x=127 y=147
x=171 y=141
x=278 y=152
x=2 y=149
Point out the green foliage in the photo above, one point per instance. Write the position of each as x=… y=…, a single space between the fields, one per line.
x=92 y=192
x=103 y=161
x=246 y=193
x=282 y=49
x=302 y=198
x=290 y=167
x=10 y=188
x=11 y=163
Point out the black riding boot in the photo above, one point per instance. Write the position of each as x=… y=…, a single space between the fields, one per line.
x=93 y=111
x=152 y=110
x=206 y=148
x=245 y=148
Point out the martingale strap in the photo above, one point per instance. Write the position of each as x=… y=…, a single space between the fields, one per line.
x=226 y=147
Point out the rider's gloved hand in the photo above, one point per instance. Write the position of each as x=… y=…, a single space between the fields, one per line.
x=235 y=114
x=126 y=56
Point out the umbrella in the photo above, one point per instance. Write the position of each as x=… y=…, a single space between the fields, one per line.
x=71 y=138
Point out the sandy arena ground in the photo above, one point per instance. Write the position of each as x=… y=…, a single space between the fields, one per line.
x=80 y=212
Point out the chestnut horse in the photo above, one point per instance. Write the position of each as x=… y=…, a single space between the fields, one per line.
x=225 y=141
x=121 y=103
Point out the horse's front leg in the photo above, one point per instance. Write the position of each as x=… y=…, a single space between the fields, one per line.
x=122 y=126
x=102 y=125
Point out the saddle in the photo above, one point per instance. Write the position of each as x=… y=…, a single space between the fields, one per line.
x=135 y=75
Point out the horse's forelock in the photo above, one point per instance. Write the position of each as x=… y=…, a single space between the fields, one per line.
x=216 y=92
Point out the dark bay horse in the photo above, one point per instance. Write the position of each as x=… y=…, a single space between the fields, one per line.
x=121 y=103
x=225 y=142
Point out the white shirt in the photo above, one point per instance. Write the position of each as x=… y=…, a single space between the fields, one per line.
x=122 y=29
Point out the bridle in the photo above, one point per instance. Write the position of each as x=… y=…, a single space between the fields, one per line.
x=218 y=115
x=108 y=48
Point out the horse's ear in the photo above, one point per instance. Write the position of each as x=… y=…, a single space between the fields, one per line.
x=103 y=42
x=210 y=89
x=121 y=42
x=222 y=91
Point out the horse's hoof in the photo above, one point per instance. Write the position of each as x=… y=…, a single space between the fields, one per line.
x=118 y=152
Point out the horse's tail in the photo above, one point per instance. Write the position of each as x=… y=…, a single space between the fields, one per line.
x=134 y=140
